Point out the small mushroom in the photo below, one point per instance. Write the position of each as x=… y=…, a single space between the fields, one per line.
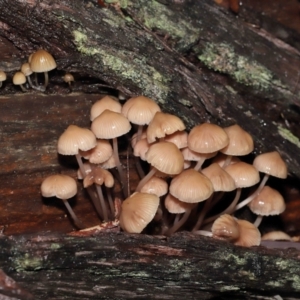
x=19 y=79
x=2 y=77
x=26 y=70
x=68 y=78
x=63 y=187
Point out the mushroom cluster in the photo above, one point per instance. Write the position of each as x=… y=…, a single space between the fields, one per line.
x=184 y=176
x=40 y=61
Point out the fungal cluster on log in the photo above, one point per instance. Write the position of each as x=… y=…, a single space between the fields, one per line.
x=188 y=174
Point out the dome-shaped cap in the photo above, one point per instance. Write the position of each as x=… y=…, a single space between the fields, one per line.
x=42 y=61
x=240 y=141
x=19 y=78
x=26 y=70
x=163 y=124
x=207 y=138
x=271 y=163
x=110 y=125
x=100 y=153
x=156 y=186
x=60 y=186
x=101 y=105
x=165 y=157
x=138 y=211
x=140 y=110
x=191 y=186
x=226 y=228
x=2 y=76
x=175 y=206
x=267 y=202
x=249 y=234
x=74 y=139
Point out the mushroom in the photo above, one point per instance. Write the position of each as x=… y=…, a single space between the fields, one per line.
x=19 y=79
x=104 y=103
x=42 y=62
x=68 y=78
x=26 y=70
x=138 y=211
x=2 y=77
x=63 y=187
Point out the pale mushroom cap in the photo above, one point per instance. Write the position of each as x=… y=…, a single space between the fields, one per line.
x=42 y=61
x=240 y=141
x=179 y=138
x=141 y=148
x=165 y=157
x=110 y=125
x=109 y=180
x=68 y=77
x=109 y=164
x=243 y=174
x=268 y=202
x=276 y=236
x=220 y=179
x=134 y=138
x=191 y=186
x=191 y=155
x=60 y=186
x=100 y=153
x=138 y=211
x=207 y=138
x=226 y=228
x=19 y=78
x=101 y=105
x=249 y=234
x=26 y=70
x=75 y=138
x=163 y=124
x=175 y=206
x=140 y=110
x=271 y=163
x=99 y=176
x=2 y=76
x=156 y=186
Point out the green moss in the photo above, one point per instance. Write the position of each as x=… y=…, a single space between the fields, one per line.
x=287 y=135
x=153 y=83
x=222 y=58
x=27 y=262
x=121 y=3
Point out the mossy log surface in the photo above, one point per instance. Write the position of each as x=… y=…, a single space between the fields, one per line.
x=194 y=58
x=121 y=266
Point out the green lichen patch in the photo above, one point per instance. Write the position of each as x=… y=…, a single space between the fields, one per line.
x=223 y=58
x=28 y=263
x=151 y=81
x=287 y=135
x=157 y=16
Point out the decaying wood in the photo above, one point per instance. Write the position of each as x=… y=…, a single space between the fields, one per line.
x=120 y=266
x=196 y=60
x=173 y=52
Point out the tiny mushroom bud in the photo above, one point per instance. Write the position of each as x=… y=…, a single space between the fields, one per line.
x=63 y=187
x=26 y=70
x=2 y=77
x=19 y=79
x=68 y=78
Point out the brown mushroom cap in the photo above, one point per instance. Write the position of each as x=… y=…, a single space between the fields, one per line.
x=207 y=138
x=276 y=236
x=179 y=138
x=191 y=186
x=42 y=61
x=220 y=179
x=163 y=124
x=165 y=157
x=101 y=105
x=190 y=155
x=271 y=163
x=138 y=211
x=60 y=186
x=249 y=234
x=267 y=202
x=156 y=186
x=19 y=78
x=26 y=70
x=100 y=153
x=140 y=110
x=226 y=228
x=175 y=206
x=243 y=174
x=141 y=148
x=240 y=141
x=74 y=139
x=68 y=77
x=110 y=125
x=2 y=76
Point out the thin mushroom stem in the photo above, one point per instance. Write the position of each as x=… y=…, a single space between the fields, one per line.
x=180 y=223
x=258 y=221
x=199 y=164
x=139 y=133
x=46 y=79
x=24 y=90
x=110 y=201
x=228 y=210
x=102 y=203
x=120 y=170
x=77 y=222
x=30 y=82
x=145 y=179
x=227 y=161
x=254 y=194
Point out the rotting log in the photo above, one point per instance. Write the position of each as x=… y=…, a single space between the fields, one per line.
x=176 y=52
x=121 y=266
x=197 y=61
